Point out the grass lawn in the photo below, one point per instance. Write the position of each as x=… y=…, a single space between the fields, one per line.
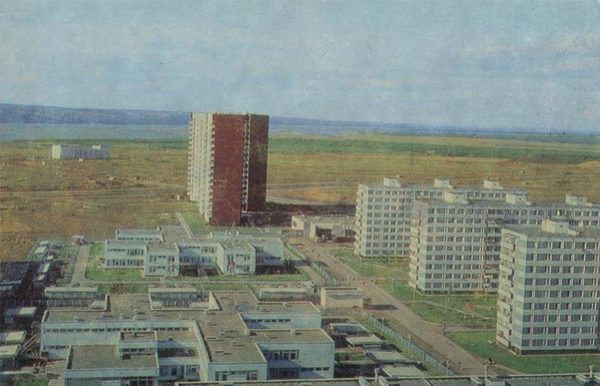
x=478 y=343
x=472 y=310
x=196 y=222
x=95 y=268
x=381 y=268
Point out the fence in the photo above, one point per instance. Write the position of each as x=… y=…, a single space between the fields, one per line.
x=410 y=346
x=331 y=281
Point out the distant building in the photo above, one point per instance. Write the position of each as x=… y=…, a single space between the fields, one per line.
x=227 y=165
x=383 y=212
x=549 y=287
x=70 y=151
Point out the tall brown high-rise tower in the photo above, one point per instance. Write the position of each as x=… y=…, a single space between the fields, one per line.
x=227 y=165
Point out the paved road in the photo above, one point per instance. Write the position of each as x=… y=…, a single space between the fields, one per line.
x=429 y=336
x=81 y=265
x=185 y=225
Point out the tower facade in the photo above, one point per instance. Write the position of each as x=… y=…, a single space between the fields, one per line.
x=227 y=165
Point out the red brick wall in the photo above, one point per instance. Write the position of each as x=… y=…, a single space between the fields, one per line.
x=227 y=177
x=257 y=172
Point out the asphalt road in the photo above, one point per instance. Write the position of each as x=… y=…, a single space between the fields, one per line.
x=430 y=336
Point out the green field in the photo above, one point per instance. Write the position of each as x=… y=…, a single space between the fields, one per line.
x=472 y=310
x=373 y=144
x=483 y=344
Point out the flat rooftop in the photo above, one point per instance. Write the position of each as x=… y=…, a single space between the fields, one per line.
x=122 y=307
x=465 y=188
x=106 y=357
x=285 y=382
x=402 y=371
x=21 y=311
x=387 y=356
x=369 y=340
x=137 y=306
x=71 y=289
x=132 y=336
x=236 y=244
x=537 y=231
x=138 y=232
x=499 y=204
x=162 y=248
x=127 y=243
x=8 y=351
x=12 y=337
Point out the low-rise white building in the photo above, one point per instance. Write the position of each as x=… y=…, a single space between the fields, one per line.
x=172 y=335
x=232 y=254
x=342 y=297
x=71 y=151
x=324 y=228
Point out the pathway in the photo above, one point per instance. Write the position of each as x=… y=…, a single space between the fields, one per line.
x=430 y=336
x=81 y=265
x=184 y=224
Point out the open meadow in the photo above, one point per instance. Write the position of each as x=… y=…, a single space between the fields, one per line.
x=140 y=186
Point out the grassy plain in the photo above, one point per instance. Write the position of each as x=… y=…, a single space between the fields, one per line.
x=41 y=198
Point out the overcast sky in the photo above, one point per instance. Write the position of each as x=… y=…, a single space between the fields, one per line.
x=532 y=64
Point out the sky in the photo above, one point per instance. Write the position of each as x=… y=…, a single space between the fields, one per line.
x=509 y=64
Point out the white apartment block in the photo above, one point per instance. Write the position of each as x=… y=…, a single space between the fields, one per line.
x=549 y=287
x=383 y=212
x=455 y=241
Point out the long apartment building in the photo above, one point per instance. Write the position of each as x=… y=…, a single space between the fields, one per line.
x=455 y=241
x=383 y=212
x=227 y=165
x=549 y=287
x=178 y=334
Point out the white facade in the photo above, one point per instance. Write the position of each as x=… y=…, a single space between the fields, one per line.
x=200 y=162
x=455 y=242
x=383 y=212
x=549 y=286
x=231 y=254
x=68 y=151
